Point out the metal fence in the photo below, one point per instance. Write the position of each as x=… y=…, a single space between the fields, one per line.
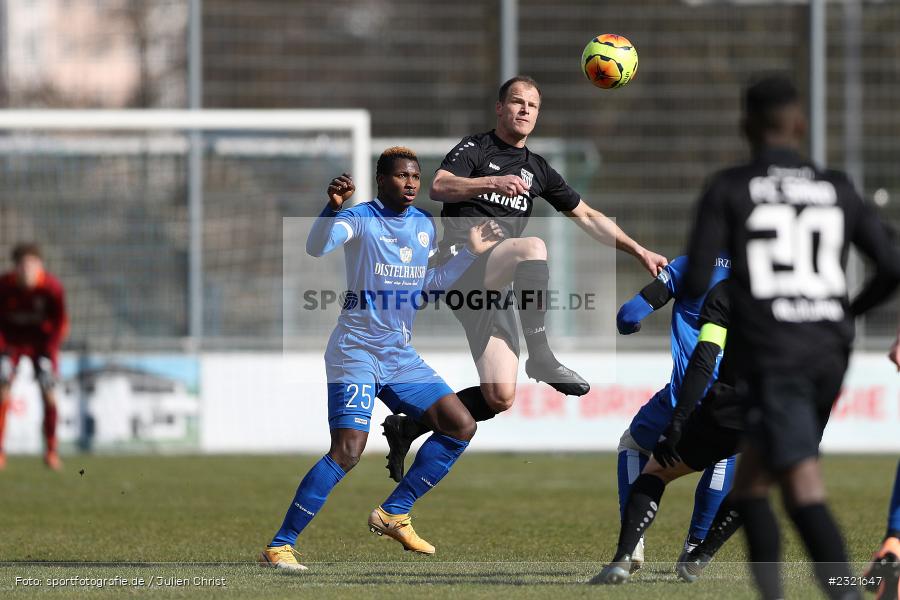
x=428 y=68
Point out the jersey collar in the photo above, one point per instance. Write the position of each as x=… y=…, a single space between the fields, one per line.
x=781 y=155
x=503 y=145
x=387 y=211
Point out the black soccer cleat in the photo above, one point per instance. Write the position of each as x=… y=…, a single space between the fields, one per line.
x=691 y=564
x=615 y=573
x=883 y=576
x=399 y=445
x=559 y=377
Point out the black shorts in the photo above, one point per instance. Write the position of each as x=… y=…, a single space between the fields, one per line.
x=707 y=437
x=787 y=411
x=482 y=323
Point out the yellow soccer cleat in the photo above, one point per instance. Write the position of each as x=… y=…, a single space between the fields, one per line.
x=400 y=528
x=280 y=557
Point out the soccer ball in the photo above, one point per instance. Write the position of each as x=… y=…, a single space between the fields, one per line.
x=609 y=61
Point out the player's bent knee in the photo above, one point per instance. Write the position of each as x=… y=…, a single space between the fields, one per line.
x=467 y=431
x=666 y=474
x=345 y=459
x=533 y=248
x=803 y=485
x=627 y=442
x=499 y=398
x=346 y=450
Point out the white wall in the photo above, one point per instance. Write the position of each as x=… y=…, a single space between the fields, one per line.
x=277 y=403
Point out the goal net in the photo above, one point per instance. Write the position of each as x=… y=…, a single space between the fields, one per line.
x=165 y=226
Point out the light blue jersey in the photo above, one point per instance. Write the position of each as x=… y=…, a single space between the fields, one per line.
x=685 y=318
x=386 y=255
x=388 y=281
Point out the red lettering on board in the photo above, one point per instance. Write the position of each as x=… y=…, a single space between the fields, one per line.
x=863 y=402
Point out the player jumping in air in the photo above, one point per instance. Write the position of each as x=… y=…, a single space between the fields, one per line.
x=495 y=176
x=694 y=440
x=787 y=226
x=33 y=324
x=387 y=243
x=640 y=438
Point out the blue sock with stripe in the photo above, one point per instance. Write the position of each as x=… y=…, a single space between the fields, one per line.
x=894 y=511
x=433 y=461
x=630 y=465
x=712 y=488
x=310 y=497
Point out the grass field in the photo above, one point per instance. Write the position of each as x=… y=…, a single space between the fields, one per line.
x=505 y=525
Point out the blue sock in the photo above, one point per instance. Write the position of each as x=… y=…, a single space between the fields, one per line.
x=712 y=488
x=894 y=511
x=433 y=461
x=310 y=497
x=631 y=463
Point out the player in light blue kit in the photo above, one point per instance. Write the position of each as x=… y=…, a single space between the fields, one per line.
x=387 y=243
x=640 y=438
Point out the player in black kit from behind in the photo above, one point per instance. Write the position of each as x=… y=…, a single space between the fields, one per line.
x=787 y=226
x=495 y=176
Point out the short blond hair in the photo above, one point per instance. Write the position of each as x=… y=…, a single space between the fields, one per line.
x=387 y=158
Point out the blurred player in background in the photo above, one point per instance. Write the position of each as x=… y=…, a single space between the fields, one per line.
x=638 y=441
x=886 y=562
x=787 y=226
x=387 y=243
x=494 y=175
x=33 y=324
x=694 y=440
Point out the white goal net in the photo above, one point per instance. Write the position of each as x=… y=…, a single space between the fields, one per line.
x=165 y=226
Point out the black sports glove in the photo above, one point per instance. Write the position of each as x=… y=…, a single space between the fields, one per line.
x=665 y=453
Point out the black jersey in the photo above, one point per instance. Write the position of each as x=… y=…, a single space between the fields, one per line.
x=484 y=155
x=787 y=226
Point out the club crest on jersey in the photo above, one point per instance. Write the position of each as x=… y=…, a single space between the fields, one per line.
x=527 y=177
x=423 y=239
x=406 y=254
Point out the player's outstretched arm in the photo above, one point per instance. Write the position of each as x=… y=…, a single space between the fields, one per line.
x=327 y=233
x=447 y=187
x=875 y=240
x=654 y=296
x=604 y=230
x=481 y=238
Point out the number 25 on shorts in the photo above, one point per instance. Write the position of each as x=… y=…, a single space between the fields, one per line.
x=361 y=394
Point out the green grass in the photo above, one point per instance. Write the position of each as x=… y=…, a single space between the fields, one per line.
x=505 y=525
